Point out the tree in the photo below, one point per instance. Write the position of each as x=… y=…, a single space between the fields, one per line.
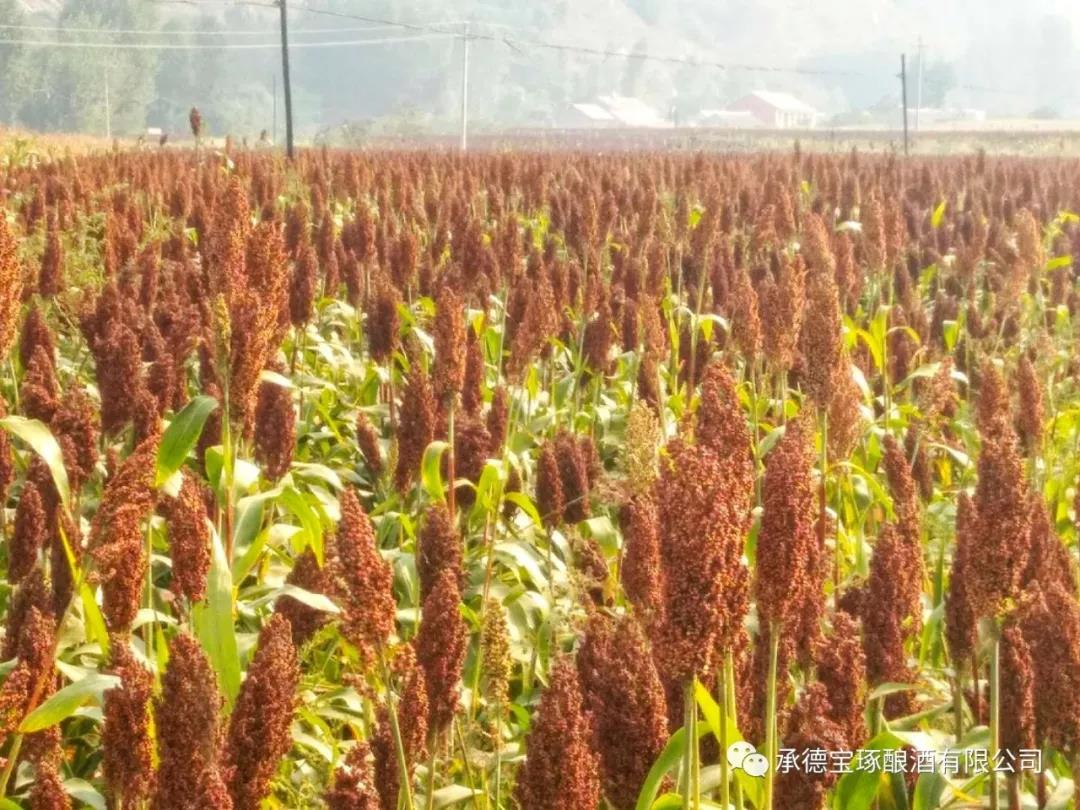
x=13 y=67
x=73 y=93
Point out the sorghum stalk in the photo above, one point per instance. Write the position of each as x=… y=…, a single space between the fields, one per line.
x=725 y=773
x=995 y=720
x=395 y=730
x=430 y=800
x=770 y=712
x=728 y=696
x=691 y=766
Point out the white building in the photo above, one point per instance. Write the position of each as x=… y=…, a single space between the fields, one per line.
x=777 y=110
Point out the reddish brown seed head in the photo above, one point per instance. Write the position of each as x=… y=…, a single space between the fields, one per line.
x=787 y=550
x=11 y=285
x=440 y=549
x=416 y=427
x=367 y=439
x=1049 y=619
x=127 y=748
x=1031 y=413
x=354 y=782
x=960 y=618
x=1017 y=708
x=30 y=533
x=188 y=729
x=894 y=611
x=1002 y=524
x=560 y=769
x=641 y=572
x=189 y=539
x=275 y=428
x=703 y=513
x=440 y=649
x=259 y=734
x=365 y=580
x=841 y=669
x=624 y=694
x=450 y=345
x=116 y=535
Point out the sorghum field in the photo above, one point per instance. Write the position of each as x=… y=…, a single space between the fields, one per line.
x=414 y=480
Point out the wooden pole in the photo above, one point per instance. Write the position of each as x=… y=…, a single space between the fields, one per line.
x=285 y=78
x=903 y=97
x=465 y=90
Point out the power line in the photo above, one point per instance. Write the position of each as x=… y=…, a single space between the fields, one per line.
x=181 y=46
x=511 y=41
x=190 y=31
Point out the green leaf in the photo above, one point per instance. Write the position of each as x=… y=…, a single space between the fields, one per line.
x=295 y=502
x=64 y=703
x=1060 y=261
x=891 y=688
x=317 y=601
x=182 y=435
x=928 y=791
x=213 y=621
x=667 y=760
x=856 y=790
x=431 y=471
x=938 y=216
x=41 y=440
x=524 y=502
x=85 y=792
x=452 y=794
x=96 y=629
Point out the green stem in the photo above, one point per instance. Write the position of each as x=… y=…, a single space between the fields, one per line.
x=395 y=730
x=725 y=773
x=9 y=766
x=770 y=711
x=690 y=790
x=430 y=800
x=465 y=758
x=732 y=711
x=995 y=725
x=497 y=744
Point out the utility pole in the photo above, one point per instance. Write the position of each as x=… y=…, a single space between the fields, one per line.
x=108 y=109
x=903 y=96
x=465 y=90
x=285 y=78
x=918 y=86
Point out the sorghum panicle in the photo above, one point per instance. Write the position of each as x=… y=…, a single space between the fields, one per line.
x=259 y=727
x=125 y=736
x=440 y=648
x=624 y=694
x=560 y=769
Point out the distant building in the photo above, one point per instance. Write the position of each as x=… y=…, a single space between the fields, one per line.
x=612 y=111
x=733 y=119
x=51 y=7
x=777 y=110
x=586 y=114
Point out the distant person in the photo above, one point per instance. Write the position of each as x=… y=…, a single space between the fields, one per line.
x=164 y=139
x=264 y=140
x=195 y=119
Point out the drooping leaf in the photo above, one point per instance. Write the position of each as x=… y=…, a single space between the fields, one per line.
x=431 y=471
x=63 y=703
x=213 y=622
x=181 y=436
x=41 y=441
